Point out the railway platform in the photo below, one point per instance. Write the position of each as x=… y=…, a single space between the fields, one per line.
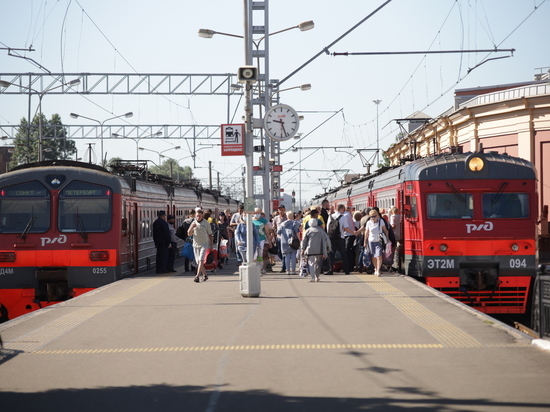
x=346 y=343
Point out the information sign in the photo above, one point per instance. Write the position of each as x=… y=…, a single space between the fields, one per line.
x=232 y=139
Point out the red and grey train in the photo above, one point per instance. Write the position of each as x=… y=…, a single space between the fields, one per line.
x=69 y=227
x=468 y=224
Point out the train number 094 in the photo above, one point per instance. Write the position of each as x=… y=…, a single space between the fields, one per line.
x=518 y=263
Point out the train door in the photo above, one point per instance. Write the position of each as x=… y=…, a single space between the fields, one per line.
x=133 y=233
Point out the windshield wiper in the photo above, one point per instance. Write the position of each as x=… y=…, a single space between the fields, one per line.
x=80 y=225
x=457 y=193
x=499 y=193
x=28 y=227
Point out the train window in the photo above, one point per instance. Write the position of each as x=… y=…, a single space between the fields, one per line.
x=505 y=205
x=450 y=206
x=25 y=208
x=414 y=207
x=84 y=207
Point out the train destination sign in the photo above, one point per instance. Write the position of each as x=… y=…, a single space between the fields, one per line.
x=83 y=192
x=23 y=193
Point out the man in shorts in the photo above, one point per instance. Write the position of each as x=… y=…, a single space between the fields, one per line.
x=202 y=239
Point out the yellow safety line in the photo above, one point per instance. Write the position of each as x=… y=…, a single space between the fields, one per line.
x=39 y=337
x=370 y=346
x=246 y=348
x=448 y=334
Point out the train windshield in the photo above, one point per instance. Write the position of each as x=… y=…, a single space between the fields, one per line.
x=505 y=205
x=24 y=208
x=85 y=207
x=450 y=206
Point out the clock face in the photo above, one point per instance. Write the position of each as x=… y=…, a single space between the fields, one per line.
x=281 y=122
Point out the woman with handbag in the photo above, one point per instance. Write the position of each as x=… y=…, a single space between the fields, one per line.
x=376 y=237
x=290 y=242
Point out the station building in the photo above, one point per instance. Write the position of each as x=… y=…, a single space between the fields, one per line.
x=511 y=118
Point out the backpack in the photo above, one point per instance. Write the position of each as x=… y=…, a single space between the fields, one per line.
x=183 y=229
x=333 y=229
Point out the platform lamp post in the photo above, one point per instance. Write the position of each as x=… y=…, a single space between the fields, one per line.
x=137 y=139
x=76 y=116
x=41 y=94
x=249 y=41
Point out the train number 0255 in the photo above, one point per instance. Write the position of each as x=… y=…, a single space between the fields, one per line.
x=518 y=263
x=99 y=271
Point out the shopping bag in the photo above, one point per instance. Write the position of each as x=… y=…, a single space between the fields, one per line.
x=223 y=248
x=387 y=251
x=304 y=268
x=187 y=251
x=366 y=257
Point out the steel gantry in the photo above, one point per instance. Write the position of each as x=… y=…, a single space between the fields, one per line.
x=195 y=131
x=123 y=83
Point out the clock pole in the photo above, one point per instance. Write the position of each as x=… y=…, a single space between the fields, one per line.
x=249 y=272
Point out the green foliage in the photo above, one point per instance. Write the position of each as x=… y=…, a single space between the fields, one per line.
x=55 y=144
x=385 y=161
x=171 y=168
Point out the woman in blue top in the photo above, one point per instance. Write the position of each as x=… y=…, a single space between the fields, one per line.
x=287 y=229
x=240 y=237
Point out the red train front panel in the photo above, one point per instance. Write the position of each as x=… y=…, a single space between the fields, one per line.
x=474 y=239
x=59 y=238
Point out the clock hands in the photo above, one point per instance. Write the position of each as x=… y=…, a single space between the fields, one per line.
x=282 y=126
x=288 y=121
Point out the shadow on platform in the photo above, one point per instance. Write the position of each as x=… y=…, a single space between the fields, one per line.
x=195 y=398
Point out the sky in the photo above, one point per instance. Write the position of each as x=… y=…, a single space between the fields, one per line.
x=340 y=116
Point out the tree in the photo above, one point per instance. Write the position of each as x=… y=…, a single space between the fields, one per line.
x=385 y=161
x=171 y=168
x=55 y=144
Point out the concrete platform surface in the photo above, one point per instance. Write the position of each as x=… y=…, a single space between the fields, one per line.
x=356 y=342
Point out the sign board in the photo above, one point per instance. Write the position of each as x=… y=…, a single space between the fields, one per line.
x=249 y=205
x=277 y=168
x=232 y=139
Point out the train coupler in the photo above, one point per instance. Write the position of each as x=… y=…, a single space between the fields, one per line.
x=479 y=278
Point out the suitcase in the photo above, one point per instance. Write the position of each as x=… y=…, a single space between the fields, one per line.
x=211 y=260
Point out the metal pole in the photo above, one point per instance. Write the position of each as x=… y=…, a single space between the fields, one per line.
x=377 y=102
x=267 y=104
x=249 y=134
x=300 y=181
x=210 y=174
x=101 y=136
x=538 y=282
x=249 y=273
x=40 y=127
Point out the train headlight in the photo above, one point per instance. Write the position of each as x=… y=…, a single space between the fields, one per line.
x=7 y=257
x=476 y=164
x=443 y=247
x=515 y=247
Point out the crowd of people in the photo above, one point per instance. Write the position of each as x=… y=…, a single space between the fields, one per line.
x=324 y=239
